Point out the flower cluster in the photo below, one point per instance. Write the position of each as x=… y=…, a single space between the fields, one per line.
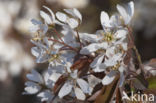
x=75 y=59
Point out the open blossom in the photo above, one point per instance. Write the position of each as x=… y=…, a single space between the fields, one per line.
x=75 y=58
x=34 y=85
x=126 y=13
x=74 y=82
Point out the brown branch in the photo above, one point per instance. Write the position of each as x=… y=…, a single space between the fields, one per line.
x=78 y=36
x=135 y=49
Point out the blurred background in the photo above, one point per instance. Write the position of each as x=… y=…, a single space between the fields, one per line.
x=15 y=56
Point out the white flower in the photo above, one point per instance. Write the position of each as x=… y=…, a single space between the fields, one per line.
x=109 y=23
x=38 y=27
x=93 y=47
x=128 y=13
x=109 y=78
x=35 y=77
x=74 y=82
x=49 y=19
x=31 y=88
x=93 y=81
x=74 y=12
x=46 y=95
x=91 y=38
x=72 y=22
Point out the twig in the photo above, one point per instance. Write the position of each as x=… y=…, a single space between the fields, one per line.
x=78 y=36
x=58 y=35
x=135 y=49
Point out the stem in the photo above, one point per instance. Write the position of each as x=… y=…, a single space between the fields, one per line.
x=58 y=35
x=135 y=49
x=78 y=36
x=63 y=44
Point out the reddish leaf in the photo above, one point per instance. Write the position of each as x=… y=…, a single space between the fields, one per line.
x=107 y=92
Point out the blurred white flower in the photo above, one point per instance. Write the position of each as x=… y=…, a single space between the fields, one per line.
x=128 y=13
x=71 y=3
x=74 y=82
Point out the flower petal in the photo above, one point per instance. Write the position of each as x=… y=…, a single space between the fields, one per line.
x=93 y=47
x=122 y=79
x=83 y=85
x=109 y=78
x=123 y=13
x=93 y=81
x=35 y=76
x=113 y=60
x=74 y=12
x=79 y=94
x=36 y=22
x=73 y=23
x=104 y=19
x=131 y=8
x=46 y=17
x=121 y=33
x=51 y=12
x=100 y=68
x=31 y=88
x=45 y=96
x=61 y=16
x=35 y=51
x=89 y=37
x=65 y=90
x=97 y=61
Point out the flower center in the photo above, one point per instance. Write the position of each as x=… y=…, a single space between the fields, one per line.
x=108 y=37
x=115 y=67
x=53 y=57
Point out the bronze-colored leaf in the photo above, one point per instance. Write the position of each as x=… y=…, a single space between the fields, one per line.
x=128 y=57
x=107 y=92
x=59 y=83
x=81 y=63
x=152 y=63
x=118 y=96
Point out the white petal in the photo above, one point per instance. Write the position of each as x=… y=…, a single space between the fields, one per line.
x=36 y=22
x=83 y=85
x=131 y=8
x=78 y=14
x=93 y=81
x=122 y=79
x=89 y=37
x=45 y=96
x=79 y=94
x=74 y=74
x=113 y=60
x=54 y=77
x=35 y=51
x=35 y=76
x=109 y=78
x=31 y=88
x=104 y=19
x=93 y=47
x=73 y=23
x=121 y=33
x=124 y=45
x=97 y=61
x=123 y=13
x=61 y=16
x=100 y=68
x=115 y=21
x=51 y=12
x=74 y=12
x=46 y=17
x=65 y=90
